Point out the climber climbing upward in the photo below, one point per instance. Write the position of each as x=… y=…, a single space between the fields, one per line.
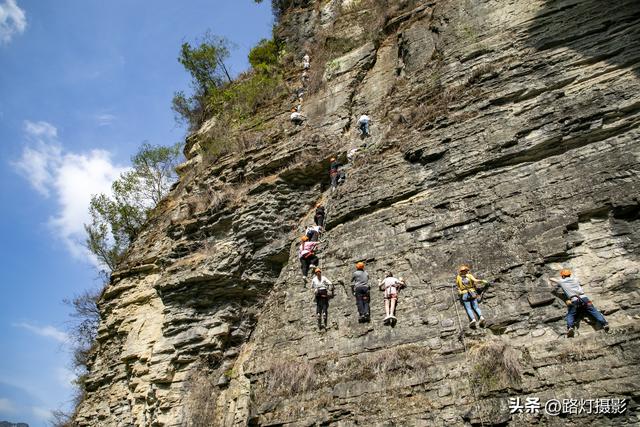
x=576 y=301
x=323 y=290
x=318 y=218
x=308 y=258
x=313 y=232
x=468 y=295
x=296 y=117
x=306 y=61
x=391 y=286
x=334 y=173
x=363 y=124
x=360 y=289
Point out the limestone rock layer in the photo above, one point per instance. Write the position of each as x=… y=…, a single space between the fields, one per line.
x=504 y=136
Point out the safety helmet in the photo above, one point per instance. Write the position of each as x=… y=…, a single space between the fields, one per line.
x=463 y=268
x=333 y=159
x=565 y=272
x=360 y=265
x=317 y=270
x=304 y=238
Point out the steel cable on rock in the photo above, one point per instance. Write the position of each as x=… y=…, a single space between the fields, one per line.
x=464 y=346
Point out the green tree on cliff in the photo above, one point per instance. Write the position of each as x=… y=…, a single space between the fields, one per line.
x=206 y=64
x=116 y=219
x=278 y=6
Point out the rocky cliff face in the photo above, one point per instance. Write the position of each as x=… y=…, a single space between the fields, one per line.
x=504 y=136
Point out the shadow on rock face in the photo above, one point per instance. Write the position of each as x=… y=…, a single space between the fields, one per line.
x=599 y=30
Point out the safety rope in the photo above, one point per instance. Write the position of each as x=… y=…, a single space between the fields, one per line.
x=464 y=346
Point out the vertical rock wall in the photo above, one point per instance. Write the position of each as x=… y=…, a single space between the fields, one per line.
x=504 y=136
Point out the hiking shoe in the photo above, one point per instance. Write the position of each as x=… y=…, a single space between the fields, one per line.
x=606 y=328
x=570 y=332
x=481 y=322
x=472 y=324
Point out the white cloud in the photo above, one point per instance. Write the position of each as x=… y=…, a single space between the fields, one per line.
x=77 y=178
x=6 y=405
x=72 y=177
x=37 y=162
x=40 y=129
x=13 y=20
x=104 y=119
x=47 y=331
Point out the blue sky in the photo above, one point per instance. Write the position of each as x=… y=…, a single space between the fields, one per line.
x=82 y=84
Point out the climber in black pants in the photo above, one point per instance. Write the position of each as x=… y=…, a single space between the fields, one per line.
x=319 y=216
x=307 y=256
x=360 y=288
x=335 y=174
x=323 y=290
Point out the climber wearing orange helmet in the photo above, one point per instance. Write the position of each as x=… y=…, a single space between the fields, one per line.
x=296 y=117
x=576 y=301
x=360 y=289
x=468 y=295
x=308 y=258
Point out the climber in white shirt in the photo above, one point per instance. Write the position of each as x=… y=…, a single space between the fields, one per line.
x=323 y=290
x=296 y=117
x=390 y=286
x=363 y=124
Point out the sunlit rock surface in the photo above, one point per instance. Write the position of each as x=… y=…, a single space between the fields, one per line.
x=505 y=136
